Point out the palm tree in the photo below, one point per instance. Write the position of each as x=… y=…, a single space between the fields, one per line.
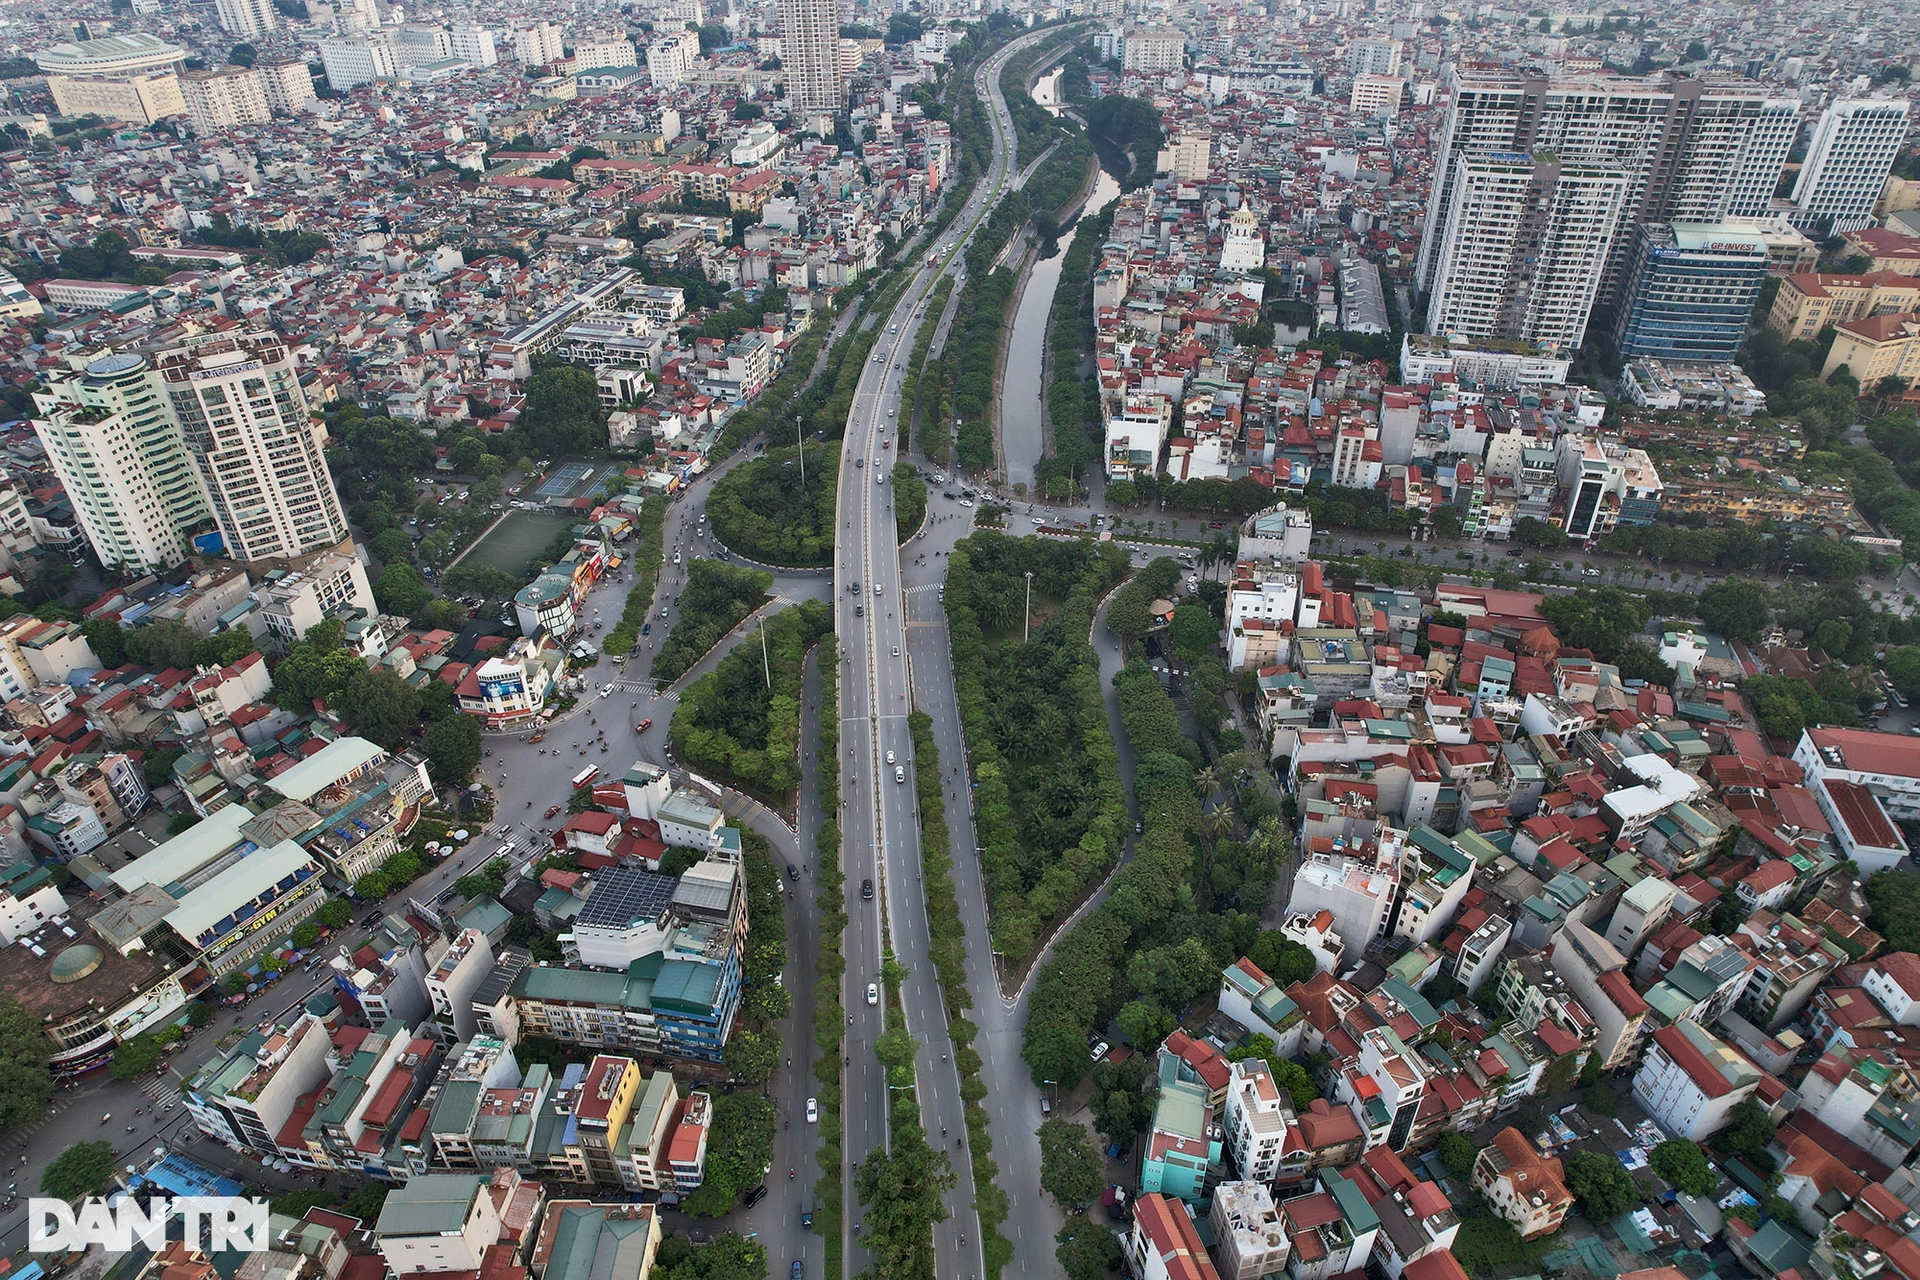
x=1206 y=781
x=1220 y=820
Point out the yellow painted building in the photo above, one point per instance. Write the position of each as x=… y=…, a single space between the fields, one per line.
x=1877 y=347
x=1808 y=303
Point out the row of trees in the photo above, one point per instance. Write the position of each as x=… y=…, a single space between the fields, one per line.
x=731 y=722
x=1073 y=402
x=763 y=510
x=1049 y=811
x=715 y=600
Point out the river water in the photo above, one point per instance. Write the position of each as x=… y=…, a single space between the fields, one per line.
x=1020 y=435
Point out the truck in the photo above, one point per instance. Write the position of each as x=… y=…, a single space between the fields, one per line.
x=933 y=260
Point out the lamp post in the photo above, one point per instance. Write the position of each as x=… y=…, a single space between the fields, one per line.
x=1026 y=625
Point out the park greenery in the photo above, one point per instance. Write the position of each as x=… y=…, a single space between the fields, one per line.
x=731 y=722
x=739 y=1146
x=648 y=554
x=1070 y=1169
x=26 y=1081
x=963 y=377
x=1049 y=811
x=754 y=1050
x=1072 y=404
x=909 y=500
x=1126 y=136
x=717 y=597
x=83 y=1169
x=773 y=511
x=923 y=420
x=829 y=965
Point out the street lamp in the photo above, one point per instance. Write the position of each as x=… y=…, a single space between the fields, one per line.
x=1027 y=625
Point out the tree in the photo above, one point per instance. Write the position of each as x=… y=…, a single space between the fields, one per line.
x=81 y=1170
x=904 y=1191
x=366 y=1202
x=335 y=914
x=1281 y=958
x=391 y=545
x=1902 y=666
x=563 y=413
x=25 y=1055
x=294 y=1204
x=402 y=589
x=1069 y=1166
x=753 y=1055
x=199 y=1014
x=1599 y=619
x=1120 y=1105
x=1086 y=1250
x=452 y=746
x=242 y=55
x=381 y=706
x=1458 y=1154
x=1684 y=1166
x=1748 y=1132
x=1145 y=1023
x=107 y=641
x=1737 y=609
x=305 y=935
x=1600 y=1184
x=739 y=1146
x=466 y=453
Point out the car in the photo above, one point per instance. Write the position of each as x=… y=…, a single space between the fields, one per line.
x=876 y=588
x=1589 y=572
x=866 y=889
x=793 y=872
x=1046 y=1108
x=644 y=725
x=676 y=557
x=606 y=691
x=1100 y=1050
x=879 y=477
x=813 y=1111
x=663 y=611
x=896 y=651
x=370 y=919
x=855 y=588
x=899 y=773
x=1139 y=827
x=755 y=1196
x=1514 y=553
x=965 y=503
x=859 y=611
x=551 y=810
x=646 y=628
x=890 y=757
x=873 y=993
x=798 y=1270
x=859 y=462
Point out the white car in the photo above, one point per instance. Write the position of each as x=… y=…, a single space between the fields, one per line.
x=873 y=993
x=813 y=1111
x=889 y=757
x=899 y=773
x=606 y=691
x=1100 y=1050
x=965 y=502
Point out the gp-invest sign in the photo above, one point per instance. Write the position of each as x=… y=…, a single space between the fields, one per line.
x=223 y=1222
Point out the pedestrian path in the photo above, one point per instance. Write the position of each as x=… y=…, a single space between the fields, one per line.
x=164 y=1090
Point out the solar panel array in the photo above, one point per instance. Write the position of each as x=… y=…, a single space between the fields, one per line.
x=622 y=895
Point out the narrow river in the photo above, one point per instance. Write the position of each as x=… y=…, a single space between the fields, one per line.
x=1021 y=391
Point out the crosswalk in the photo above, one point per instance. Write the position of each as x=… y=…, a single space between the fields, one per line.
x=164 y=1090
x=921 y=590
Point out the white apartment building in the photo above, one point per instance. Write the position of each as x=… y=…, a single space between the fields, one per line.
x=223 y=98
x=1375 y=97
x=1886 y=764
x=590 y=55
x=810 y=55
x=438 y=1222
x=1853 y=149
x=245 y=1098
x=451 y=984
x=1187 y=156
x=1152 y=49
x=1691 y=1080
x=416 y=44
x=1775 y=129
x=1682 y=146
x=538 y=45
x=474 y=44
x=247 y=19
x=1596 y=974
x=1248 y=1232
x=1373 y=57
x=1355 y=881
x=287 y=84
x=352 y=61
x=330 y=585
x=124 y=463
x=1523 y=255
x=1135 y=439
x=28 y=899
x=1258 y=1113
x=239 y=404
x=670 y=58
x=1266 y=598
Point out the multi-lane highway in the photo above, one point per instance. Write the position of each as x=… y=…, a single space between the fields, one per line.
x=881 y=854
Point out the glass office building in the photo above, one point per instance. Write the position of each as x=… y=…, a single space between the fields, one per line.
x=1690 y=291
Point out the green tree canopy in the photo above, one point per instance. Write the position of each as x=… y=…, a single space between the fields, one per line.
x=83 y=1169
x=381 y=706
x=25 y=1054
x=1599 y=1183
x=1684 y=1165
x=1069 y=1166
x=452 y=747
x=1599 y=619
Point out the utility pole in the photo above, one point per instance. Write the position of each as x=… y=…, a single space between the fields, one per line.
x=766 y=668
x=801 y=440
x=1026 y=626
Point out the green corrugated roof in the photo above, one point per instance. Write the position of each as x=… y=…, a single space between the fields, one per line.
x=429 y=1204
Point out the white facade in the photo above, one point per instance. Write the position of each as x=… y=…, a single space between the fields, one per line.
x=451 y=984
x=352 y=61
x=223 y=98
x=1152 y=49
x=1242 y=247
x=1258 y=1112
x=590 y=55
x=469 y=1224
x=124 y=463
x=474 y=44
x=246 y=1098
x=263 y=461
x=1775 y=129
x=1690 y=1080
x=287 y=84
x=1355 y=883
x=1370 y=57
x=247 y=18
x=1847 y=163
x=538 y=45
x=670 y=58
x=810 y=56
x=25 y=907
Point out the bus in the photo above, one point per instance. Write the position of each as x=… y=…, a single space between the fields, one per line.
x=586 y=776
